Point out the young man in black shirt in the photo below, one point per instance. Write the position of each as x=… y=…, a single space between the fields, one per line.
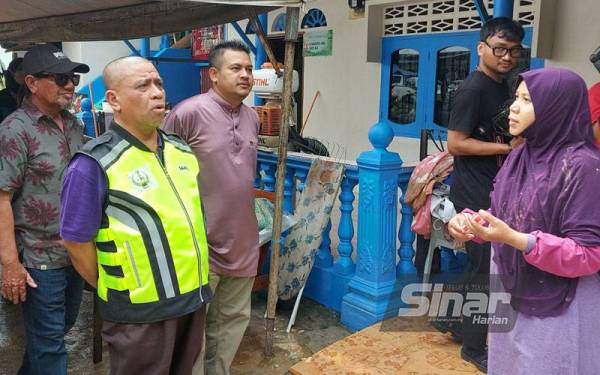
x=479 y=145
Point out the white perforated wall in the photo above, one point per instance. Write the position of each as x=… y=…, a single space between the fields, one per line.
x=446 y=15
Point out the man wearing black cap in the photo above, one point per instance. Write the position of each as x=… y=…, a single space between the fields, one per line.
x=36 y=144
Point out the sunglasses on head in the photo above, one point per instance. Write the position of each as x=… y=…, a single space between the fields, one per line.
x=61 y=79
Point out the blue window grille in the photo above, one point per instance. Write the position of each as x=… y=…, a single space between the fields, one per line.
x=279 y=23
x=249 y=28
x=314 y=18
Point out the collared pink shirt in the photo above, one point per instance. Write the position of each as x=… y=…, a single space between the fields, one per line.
x=224 y=140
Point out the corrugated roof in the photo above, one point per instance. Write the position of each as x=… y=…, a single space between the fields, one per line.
x=23 y=21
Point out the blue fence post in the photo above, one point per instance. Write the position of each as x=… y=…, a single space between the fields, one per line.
x=372 y=291
x=301 y=174
x=258 y=179
x=406 y=268
x=323 y=257
x=288 y=191
x=269 y=178
x=87 y=118
x=344 y=265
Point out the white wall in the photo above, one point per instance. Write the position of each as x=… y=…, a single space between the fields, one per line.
x=98 y=54
x=576 y=35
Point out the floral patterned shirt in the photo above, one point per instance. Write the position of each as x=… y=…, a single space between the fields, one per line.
x=34 y=153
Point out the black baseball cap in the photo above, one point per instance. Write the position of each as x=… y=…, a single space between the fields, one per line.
x=48 y=58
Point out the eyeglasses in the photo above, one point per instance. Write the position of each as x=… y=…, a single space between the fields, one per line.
x=502 y=51
x=61 y=79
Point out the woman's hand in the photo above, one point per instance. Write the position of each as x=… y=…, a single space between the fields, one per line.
x=496 y=230
x=457 y=226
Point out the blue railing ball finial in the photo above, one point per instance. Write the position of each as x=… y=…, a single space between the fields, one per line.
x=86 y=105
x=381 y=135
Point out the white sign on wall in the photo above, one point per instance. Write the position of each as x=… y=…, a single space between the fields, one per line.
x=318 y=43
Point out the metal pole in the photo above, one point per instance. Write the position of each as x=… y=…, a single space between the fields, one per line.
x=291 y=37
x=423 y=145
x=164 y=41
x=145 y=47
x=503 y=8
x=261 y=55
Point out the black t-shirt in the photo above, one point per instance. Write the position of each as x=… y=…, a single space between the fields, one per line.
x=477 y=104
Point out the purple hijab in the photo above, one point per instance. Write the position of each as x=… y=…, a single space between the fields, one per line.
x=549 y=184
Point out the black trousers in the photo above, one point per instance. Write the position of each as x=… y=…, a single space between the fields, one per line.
x=476 y=279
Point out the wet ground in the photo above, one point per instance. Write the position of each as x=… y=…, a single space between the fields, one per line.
x=316 y=327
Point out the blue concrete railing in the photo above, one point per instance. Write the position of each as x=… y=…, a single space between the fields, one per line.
x=367 y=290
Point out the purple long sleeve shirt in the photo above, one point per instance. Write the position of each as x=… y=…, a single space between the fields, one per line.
x=224 y=140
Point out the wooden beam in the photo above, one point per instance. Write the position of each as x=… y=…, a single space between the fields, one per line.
x=291 y=37
x=263 y=39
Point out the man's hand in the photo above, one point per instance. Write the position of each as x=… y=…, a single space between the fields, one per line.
x=14 y=281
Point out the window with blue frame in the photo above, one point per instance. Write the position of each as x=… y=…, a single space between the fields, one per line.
x=421 y=74
x=278 y=23
x=313 y=18
x=402 y=108
x=453 y=65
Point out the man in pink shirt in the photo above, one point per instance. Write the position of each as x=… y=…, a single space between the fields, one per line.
x=222 y=132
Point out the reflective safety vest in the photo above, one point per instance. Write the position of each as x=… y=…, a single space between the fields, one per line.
x=151 y=248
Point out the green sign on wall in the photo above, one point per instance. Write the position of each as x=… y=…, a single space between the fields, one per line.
x=318 y=43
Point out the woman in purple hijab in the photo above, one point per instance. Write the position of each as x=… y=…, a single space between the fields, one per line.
x=544 y=225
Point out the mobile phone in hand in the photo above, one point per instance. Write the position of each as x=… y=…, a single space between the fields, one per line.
x=479 y=220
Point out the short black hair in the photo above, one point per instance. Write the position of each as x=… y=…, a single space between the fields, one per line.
x=219 y=49
x=504 y=28
x=9 y=75
x=15 y=65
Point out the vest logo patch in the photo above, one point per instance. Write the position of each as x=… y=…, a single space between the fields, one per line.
x=184 y=167
x=142 y=179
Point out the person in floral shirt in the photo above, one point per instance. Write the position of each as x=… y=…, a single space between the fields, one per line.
x=37 y=142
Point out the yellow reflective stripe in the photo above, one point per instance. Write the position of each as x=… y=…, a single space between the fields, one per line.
x=106 y=281
x=104 y=235
x=102 y=291
x=117 y=283
x=111 y=259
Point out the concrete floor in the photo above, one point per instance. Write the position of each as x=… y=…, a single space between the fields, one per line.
x=316 y=327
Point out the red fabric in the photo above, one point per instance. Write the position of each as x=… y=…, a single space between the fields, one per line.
x=594 y=100
x=422 y=221
x=435 y=167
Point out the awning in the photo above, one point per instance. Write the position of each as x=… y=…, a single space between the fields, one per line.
x=26 y=21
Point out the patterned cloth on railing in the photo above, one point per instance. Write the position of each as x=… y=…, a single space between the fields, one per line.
x=312 y=215
x=431 y=169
